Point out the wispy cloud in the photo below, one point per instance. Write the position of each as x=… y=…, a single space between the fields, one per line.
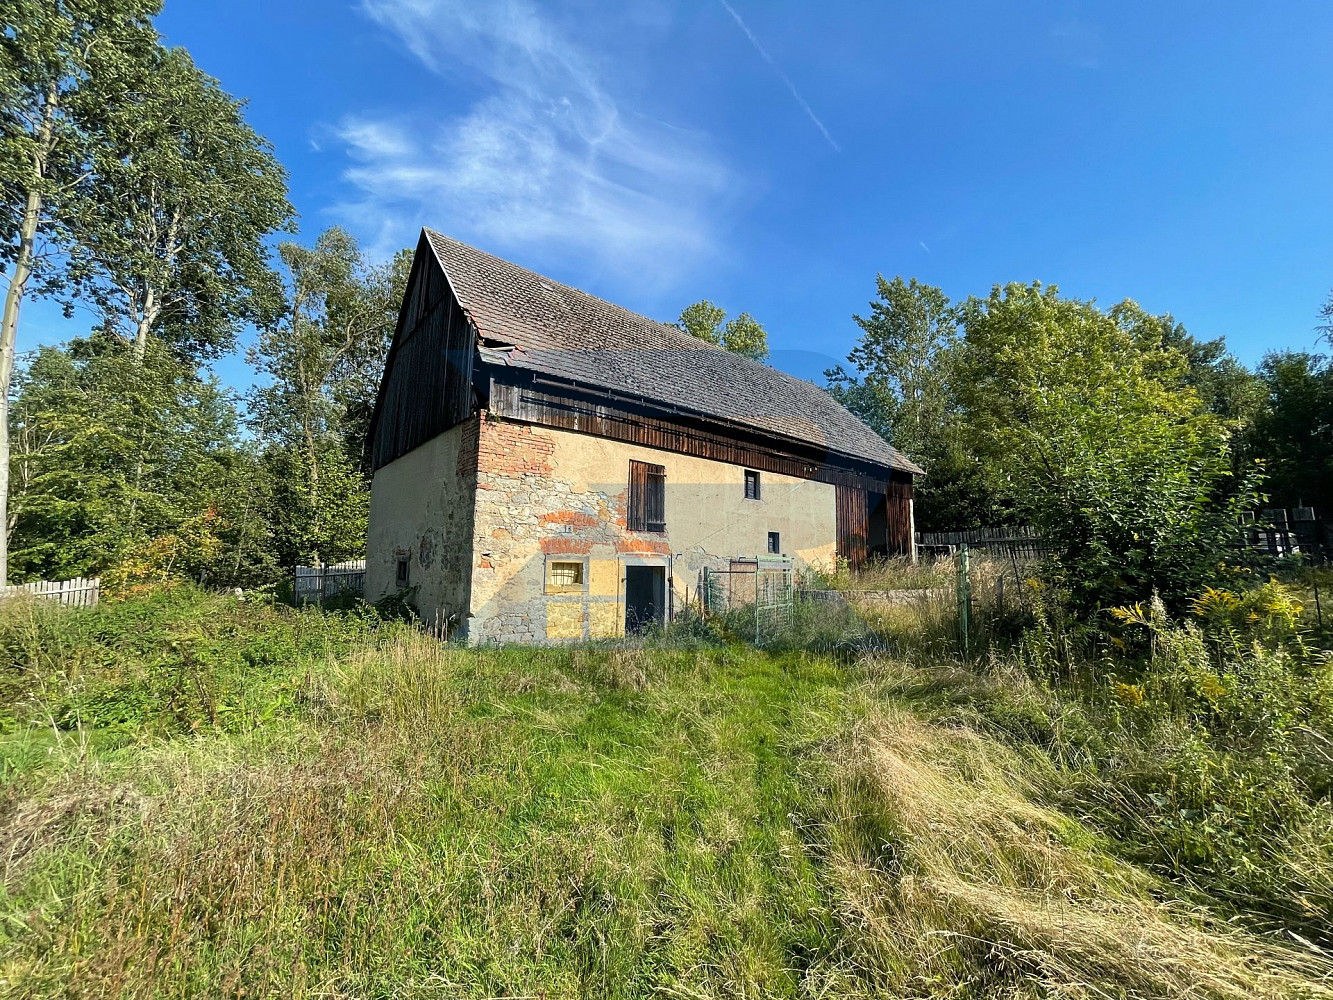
x=545 y=156
x=763 y=52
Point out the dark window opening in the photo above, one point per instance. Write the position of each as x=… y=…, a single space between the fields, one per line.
x=404 y=567
x=647 y=497
x=774 y=543
x=751 y=485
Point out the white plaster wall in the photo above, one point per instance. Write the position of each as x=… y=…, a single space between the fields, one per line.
x=422 y=505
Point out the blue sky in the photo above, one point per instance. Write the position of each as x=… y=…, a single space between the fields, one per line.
x=774 y=156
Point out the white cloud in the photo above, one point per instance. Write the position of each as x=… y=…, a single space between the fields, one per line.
x=545 y=157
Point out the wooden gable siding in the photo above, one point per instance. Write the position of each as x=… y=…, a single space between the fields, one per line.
x=603 y=414
x=427 y=385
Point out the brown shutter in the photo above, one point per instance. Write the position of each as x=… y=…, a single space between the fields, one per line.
x=656 y=502
x=647 y=497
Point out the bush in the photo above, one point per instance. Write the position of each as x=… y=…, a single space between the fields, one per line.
x=173 y=658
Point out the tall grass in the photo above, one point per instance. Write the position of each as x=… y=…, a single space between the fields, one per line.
x=389 y=816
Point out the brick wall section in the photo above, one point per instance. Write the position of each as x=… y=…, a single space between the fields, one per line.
x=516 y=489
x=467 y=449
x=526 y=510
x=511 y=450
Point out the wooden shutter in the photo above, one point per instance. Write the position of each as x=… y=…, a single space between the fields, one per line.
x=647 y=497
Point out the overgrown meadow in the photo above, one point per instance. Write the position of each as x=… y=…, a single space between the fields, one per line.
x=206 y=796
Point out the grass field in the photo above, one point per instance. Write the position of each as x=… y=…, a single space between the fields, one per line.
x=212 y=798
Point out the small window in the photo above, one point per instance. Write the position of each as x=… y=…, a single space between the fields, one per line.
x=564 y=576
x=647 y=497
x=774 y=542
x=404 y=571
x=751 y=485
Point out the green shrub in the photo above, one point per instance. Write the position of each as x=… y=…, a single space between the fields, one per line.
x=174 y=659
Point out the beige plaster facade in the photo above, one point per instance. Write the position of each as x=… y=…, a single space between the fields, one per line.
x=495 y=504
x=421 y=510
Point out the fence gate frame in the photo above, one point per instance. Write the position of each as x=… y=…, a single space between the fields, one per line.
x=312 y=584
x=765 y=582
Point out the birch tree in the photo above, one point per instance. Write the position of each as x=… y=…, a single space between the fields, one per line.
x=171 y=245
x=323 y=356
x=62 y=62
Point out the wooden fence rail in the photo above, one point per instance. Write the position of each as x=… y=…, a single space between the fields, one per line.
x=318 y=583
x=80 y=592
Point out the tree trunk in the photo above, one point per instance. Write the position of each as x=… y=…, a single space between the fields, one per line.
x=312 y=452
x=145 y=325
x=9 y=319
x=9 y=324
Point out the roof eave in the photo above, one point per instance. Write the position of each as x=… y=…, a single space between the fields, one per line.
x=494 y=357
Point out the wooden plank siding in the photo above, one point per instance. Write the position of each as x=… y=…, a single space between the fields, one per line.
x=872 y=524
x=427 y=386
x=603 y=414
x=853 y=525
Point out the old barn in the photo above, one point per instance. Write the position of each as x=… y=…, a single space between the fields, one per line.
x=549 y=466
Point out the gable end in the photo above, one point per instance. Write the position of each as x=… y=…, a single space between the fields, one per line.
x=427 y=384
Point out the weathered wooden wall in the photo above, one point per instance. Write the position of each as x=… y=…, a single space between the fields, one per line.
x=853 y=525
x=606 y=415
x=427 y=386
x=874 y=523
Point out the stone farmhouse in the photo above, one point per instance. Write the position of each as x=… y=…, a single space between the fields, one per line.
x=549 y=466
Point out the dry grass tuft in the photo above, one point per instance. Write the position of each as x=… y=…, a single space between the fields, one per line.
x=955 y=875
x=32 y=824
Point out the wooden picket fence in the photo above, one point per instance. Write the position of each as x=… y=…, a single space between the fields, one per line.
x=80 y=592
x=317 y=583
x=1010 y=541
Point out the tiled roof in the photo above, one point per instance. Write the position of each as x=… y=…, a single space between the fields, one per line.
x=569 y=334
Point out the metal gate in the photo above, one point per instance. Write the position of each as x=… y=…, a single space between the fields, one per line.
x=765 y=583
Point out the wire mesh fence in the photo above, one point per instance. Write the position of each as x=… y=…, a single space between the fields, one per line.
x=766 y=584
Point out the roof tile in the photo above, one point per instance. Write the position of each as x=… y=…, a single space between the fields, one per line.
x=566 y=333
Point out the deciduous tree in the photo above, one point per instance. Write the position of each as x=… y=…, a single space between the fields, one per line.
x=323 y=357
x=743 y=334
x=113 y=452
x=171 y=241
x=1293 y=433
x=63 y=63
x=903 y=387
x=1099 y=438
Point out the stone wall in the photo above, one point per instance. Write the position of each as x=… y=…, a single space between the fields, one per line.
x=545 y=495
